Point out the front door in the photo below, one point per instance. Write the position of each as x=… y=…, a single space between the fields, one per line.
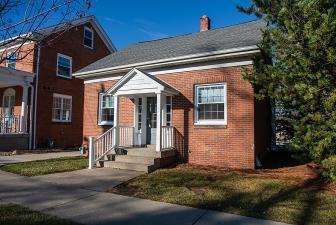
x=151 y=120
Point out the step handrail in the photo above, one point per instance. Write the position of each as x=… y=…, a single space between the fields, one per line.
x=100 y=146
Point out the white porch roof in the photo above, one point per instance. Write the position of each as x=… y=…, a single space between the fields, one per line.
x=138 y=82
x=12 y=77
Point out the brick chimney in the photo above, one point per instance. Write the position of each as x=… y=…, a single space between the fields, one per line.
x=205 y=23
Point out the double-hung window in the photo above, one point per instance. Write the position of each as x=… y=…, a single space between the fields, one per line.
x=88 y=37
x=210 y=104
x=11 y=60
x=106 y=109
x=64 y=66
x=62 y=108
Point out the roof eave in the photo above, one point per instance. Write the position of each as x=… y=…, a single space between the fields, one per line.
x=216 y=55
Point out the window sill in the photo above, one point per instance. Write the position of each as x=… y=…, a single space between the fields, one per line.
x=105 y=123
x=210 y=124
x=85 y=46
x=62 y=121
x=64 y=77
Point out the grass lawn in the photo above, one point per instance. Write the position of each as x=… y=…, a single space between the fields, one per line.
x=237 y=193
x=11 y=214
x=42 y=167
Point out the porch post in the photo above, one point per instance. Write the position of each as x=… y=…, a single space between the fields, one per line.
x=159 y=121
x=92 y=152
x=144 y=120
x=24 y=109
x=116 y=120
x=136 y=120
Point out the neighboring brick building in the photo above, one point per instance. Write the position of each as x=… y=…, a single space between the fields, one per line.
x=193 y=85
x=57 y=113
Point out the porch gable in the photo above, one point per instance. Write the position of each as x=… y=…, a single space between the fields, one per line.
x=138 y=82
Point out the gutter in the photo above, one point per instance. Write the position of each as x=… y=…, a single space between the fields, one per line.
x=215 y=55
x=32 y=91
x=36 y=88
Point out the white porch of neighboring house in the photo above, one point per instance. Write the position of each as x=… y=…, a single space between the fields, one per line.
x=150 y=135
x=14 y=133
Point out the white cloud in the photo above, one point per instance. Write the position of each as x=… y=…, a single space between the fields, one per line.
x=153 y=34
x=114 y=20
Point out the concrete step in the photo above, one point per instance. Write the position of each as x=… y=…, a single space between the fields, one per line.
x=142 y=152
x=151 y=147
x=135 y=159
x=129 y=166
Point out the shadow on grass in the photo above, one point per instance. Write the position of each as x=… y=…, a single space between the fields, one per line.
x=229 y=192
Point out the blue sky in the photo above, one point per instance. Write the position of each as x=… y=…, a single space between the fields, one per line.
x=128 y=22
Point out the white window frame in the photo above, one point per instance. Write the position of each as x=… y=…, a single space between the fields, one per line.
x=92 y=38
x=8 y=54
x=210 y=122
x=100 y=122
x=171 y=111
x=9 y=92
x=66 y=57
x=63 y=97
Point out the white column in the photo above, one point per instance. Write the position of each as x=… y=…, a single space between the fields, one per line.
x=144 y=120
x=24 y=109
x=116 y=120
x=136 y=119
x=158 y=121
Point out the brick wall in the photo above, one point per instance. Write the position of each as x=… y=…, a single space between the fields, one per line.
x=230 y=146
x=91 y=96
x=69 y=43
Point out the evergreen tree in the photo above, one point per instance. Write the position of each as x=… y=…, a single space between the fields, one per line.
x=298 y=69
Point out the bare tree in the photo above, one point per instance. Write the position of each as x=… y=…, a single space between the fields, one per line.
x=21 y=21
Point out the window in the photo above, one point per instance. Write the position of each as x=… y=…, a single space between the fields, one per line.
x=8 y=102
x=210 y=104
x=62 y=107
x=139 y=113
x=169 y=110
x=11 y=60
x=64 y=66
x=106 y=109
x=88 y=37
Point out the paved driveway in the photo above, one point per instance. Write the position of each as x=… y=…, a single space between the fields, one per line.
x=58 y=195
x=34 y=157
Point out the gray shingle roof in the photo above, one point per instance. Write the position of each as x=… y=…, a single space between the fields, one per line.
x=241 y=35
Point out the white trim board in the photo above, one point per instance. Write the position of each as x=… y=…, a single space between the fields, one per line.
x=16 y=46
x=195 y=68
x=169 y=71
x=102 y=79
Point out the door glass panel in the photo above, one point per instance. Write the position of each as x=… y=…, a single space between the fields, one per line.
x=151 y=120
x=151 y=104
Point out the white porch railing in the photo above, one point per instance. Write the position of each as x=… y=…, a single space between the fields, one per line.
x=167 y=138
x=100 y=146
x=126 y=136
x=10 y=124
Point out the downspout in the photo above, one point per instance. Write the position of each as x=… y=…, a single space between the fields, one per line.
x=36 y=91
x=31 y=117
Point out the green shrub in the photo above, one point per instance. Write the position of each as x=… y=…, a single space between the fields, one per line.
x=329 y=166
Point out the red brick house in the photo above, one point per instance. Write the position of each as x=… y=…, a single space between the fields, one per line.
x=40 y=101
x=181 y=98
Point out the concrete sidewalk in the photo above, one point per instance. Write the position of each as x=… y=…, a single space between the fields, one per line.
x=96 y=207
x=33 y=157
